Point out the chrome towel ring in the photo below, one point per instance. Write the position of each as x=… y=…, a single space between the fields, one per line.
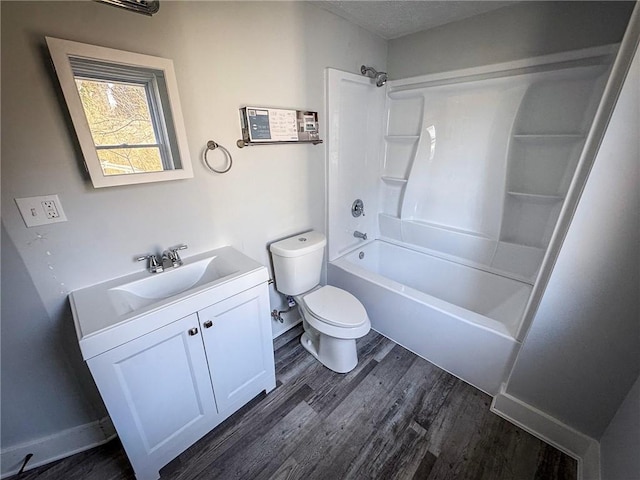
x=211 y=145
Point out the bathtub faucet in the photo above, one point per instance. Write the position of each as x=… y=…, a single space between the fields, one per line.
x=361 y=235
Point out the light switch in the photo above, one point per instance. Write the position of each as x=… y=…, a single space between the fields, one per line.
x=41 y=210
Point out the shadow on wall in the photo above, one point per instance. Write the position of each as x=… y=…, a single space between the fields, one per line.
x=40 y=359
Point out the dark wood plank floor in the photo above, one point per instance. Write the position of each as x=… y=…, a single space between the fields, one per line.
x=396 y=416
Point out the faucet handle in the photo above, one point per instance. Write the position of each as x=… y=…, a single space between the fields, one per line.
x=174 y=256
x=154 y=265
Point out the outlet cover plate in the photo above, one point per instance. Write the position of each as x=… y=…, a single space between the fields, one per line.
x=41 y=210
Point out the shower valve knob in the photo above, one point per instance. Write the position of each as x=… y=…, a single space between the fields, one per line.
x=357 y=208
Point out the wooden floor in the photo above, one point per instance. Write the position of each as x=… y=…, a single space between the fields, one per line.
x=396 y=416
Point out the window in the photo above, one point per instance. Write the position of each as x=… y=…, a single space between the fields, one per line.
x=125 y=111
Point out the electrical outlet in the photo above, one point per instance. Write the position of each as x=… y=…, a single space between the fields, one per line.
x=50 y=209
x=41 y=210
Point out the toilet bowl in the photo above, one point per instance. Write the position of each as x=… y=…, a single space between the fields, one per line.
x=332 y=318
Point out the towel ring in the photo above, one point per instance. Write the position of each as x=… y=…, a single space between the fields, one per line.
x=211 y=145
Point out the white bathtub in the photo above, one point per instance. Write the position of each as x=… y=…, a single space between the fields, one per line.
x=460 y=318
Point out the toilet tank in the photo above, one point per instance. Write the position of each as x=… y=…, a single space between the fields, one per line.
x=297 y=262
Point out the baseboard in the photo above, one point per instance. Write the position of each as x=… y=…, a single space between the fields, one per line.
x=584 y=449
x=54 y=447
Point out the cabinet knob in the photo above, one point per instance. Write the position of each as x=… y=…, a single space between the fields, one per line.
x=193 y=331
x=207 y=324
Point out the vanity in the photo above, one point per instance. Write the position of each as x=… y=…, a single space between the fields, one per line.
x=175 y=353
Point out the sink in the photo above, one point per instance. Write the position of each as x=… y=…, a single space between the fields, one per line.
x=115 y=311
x=141 y=293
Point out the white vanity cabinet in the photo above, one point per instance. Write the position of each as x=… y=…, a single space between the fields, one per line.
x=240 y=360
x=158 y=393
x=168 y=388
x=171 y=369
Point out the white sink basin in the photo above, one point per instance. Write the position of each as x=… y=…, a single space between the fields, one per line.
x=110 y=313
x=141 y=293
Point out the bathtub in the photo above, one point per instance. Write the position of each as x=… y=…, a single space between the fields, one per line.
x=460 y=318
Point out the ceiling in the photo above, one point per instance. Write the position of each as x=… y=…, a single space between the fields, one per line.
x=393 y=19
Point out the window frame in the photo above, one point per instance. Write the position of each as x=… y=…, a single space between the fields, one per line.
x=162 y=96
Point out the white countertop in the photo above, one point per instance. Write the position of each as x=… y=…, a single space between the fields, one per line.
x=100 y=327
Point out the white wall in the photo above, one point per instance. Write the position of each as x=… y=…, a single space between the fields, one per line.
x=620 y=444
x=582 y=353
x=36 y=362
x=226 y=54
x=526 y=29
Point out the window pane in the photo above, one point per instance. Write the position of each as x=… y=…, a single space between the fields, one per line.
x=118 y=113
x=119 y=161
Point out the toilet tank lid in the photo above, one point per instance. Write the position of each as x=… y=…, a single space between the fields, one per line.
x=299 y=244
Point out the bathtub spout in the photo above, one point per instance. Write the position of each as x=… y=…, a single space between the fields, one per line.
x=361 y=235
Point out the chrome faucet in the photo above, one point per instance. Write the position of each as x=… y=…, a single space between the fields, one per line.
x=170 y=259
x=154 y=265
x=361 y=235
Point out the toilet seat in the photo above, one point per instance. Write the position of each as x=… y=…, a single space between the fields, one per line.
x=336 y=307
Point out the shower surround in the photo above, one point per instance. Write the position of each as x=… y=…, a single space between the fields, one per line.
x=463 y=175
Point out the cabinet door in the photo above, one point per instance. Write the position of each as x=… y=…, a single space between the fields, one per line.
x=158 y=393
x=237 y=339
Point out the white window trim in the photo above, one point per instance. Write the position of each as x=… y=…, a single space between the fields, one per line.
x=61 y=51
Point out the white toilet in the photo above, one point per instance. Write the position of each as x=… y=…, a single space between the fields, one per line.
x=332 y=317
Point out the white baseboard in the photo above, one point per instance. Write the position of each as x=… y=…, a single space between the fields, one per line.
x=54 y=447
x=584 y=449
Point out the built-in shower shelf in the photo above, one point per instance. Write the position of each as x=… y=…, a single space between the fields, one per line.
x=550 y=136
x=398 y=181
x=538 y=250
x=536 y=198
x=448 y=228
x=401 y=138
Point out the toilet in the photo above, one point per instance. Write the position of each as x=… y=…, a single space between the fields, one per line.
x=332 y=318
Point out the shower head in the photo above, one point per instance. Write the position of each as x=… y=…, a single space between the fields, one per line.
x=380 y=77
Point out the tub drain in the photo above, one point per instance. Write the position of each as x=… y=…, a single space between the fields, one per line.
x=361 y=255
